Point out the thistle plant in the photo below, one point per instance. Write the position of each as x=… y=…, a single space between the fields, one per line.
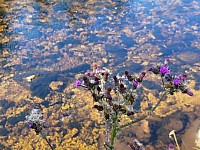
x=36 y=121
x=115 y=95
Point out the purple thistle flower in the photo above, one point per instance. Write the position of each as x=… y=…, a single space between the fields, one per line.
x=154 y=70
x=77 y=83
x=30 y=125
x=128 y=75
x=182 y=77
x=35 y=120
x=176 y=82
x=142 y=74
x=135 y=84
x=150 y=69
x=190 y=93
x=164 y=70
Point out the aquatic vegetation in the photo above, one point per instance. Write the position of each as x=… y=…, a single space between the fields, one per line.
x=115 y=96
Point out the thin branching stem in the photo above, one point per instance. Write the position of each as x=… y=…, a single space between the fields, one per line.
x=163 y=83
x=143 y=116
x=114 y=132
x=44 y=137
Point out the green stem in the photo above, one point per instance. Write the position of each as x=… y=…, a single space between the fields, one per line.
x=114 y=132
x=44 y=137
x=161 y=99
x=132 y=122
x=163 y=83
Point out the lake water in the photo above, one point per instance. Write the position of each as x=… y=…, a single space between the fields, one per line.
x=58 y=39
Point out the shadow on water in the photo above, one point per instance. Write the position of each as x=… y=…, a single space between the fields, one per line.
x=154 y=127
x=184 y=118
x=40 y=86
x=76 y=125
x=5 y=105
x=159 y=127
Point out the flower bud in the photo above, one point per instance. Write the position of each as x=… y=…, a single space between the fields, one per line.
x=115 y=107
x=116 y=80
x=98 y=89
x=86 y=80
x=129 y=113
x=154 y=70
x=109 y=89
x=95 y=97
x=168 y=77
x=122 y=88
x=106 y=115
x=77 y=83
x=176 y=82
x=98 y=107
x=128 y=75
x=106 y=76
x=135 y=84
x=164 y=70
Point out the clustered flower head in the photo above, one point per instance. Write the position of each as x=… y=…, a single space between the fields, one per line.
x=103 y=87
x=35 y=120
x=136 y=145
x=172 y=83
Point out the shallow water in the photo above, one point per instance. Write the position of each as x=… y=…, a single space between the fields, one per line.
x=58 y=39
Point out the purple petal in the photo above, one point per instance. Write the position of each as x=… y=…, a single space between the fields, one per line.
x=30 y=125
x=176 y=82
x=135 y=84
x=150 y=69
x=190 y=93
x=171 y=147
x=164 y=70
x=77 y=83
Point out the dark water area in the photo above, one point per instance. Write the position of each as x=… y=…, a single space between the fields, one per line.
x=59 y=39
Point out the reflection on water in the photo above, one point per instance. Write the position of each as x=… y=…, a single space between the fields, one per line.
x=60 y=38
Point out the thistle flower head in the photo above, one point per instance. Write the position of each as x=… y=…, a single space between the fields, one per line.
x=154 y=70
x=187 y=91
x=176 y=81
x=135 y=84
x=128 y=75
x=35 y=120
x=182 y=77
x=77 y=83
x=164 y=70
x=171 y=83
x=142 y=74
